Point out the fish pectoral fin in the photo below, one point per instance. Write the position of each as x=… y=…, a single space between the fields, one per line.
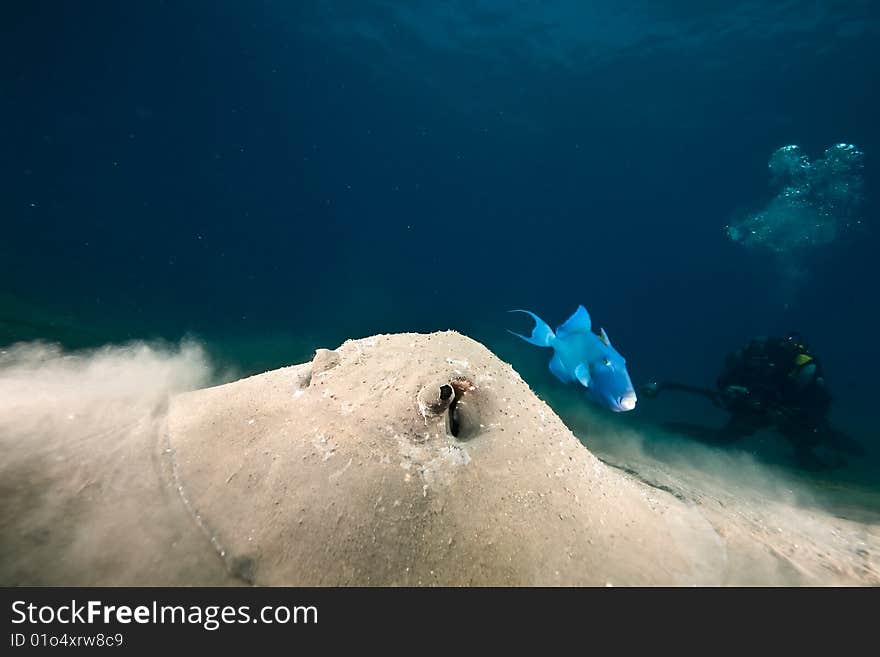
x=558 y=369
x=582 y=373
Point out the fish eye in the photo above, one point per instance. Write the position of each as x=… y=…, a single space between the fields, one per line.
x=606 y=362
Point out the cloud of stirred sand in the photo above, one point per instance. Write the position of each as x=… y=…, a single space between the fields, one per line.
x=45 y=391
x=79 y=435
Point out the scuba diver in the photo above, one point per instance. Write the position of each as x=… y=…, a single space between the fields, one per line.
x=770 y=383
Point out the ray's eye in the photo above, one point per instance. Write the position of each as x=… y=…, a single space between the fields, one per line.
x=606 y=362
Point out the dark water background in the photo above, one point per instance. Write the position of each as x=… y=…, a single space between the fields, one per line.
x=278 y=176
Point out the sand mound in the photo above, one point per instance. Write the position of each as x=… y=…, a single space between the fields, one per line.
x=344 y=472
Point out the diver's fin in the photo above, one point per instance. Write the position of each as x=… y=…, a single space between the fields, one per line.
x=558 y=369
x=542 y=335
x=583 y=375
x=579 y=322
x=604 y=337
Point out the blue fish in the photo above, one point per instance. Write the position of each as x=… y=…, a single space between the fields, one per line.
x=580 y=356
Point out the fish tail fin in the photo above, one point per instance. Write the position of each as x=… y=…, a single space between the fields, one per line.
x=542 y=335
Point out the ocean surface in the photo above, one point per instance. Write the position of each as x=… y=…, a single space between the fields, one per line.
x=267 y=178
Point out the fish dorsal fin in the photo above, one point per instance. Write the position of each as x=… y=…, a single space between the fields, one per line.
x=579 y=322
x=583 y=375
x=603 y=336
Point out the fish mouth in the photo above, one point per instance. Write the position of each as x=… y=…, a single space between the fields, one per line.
x=627 y=402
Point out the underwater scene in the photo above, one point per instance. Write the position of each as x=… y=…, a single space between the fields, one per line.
x=386 y=292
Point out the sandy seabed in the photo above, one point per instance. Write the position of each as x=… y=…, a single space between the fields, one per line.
x=122 y=467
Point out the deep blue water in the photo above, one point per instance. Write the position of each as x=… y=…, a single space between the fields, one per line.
x=278 y=176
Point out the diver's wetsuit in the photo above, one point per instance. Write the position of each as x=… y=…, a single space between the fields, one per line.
x=771 y=382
